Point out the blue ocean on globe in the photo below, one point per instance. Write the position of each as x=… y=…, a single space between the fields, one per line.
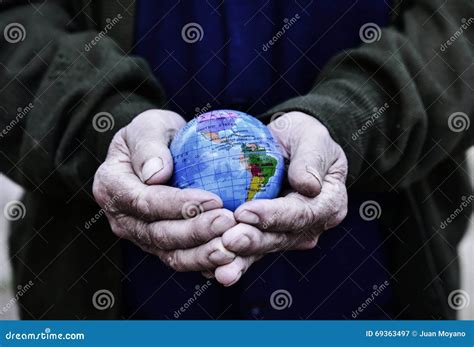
x=229 y=153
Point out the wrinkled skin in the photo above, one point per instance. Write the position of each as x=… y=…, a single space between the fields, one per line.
x=130 y=187
x=317 y=202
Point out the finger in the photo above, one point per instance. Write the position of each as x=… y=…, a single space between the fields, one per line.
x=330 y=207
x=188 y=233
x=203 y=258
x=295 y=212
x=306 y=171
x=230 y=274
x=148 y=138
x=118 y=190
x=246 y=240
x=159 y=202
x=306 y=143
x=173 y=234
x=287 y=214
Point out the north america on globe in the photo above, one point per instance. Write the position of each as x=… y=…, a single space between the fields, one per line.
x=229 y=153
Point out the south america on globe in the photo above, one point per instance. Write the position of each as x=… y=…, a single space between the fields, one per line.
x=229 y=153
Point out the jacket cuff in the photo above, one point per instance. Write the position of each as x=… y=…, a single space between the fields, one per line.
x=349 y=116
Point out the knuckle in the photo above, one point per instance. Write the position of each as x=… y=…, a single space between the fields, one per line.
x=98 y=189
x=197 y=231
x=206 y=218
x=140 y=203
x=302 y=216
x=335 y=218
x=308 y=218
x=118 y=228
x=118 y=231
x=202 y=261
x=173 y=260
x=214 y=223
x=214 y=245
x=119 y=136
x=196 y=236
x=342 y=206
x=141 y=235
x=340 y=167
x=134 y=228
x=177 y=200
x=280 y=242
x=159 y=237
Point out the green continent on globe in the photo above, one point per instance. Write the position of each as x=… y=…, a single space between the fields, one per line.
x=261 y=165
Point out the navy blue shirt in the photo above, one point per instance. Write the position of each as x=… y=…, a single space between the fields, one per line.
x=251 y=55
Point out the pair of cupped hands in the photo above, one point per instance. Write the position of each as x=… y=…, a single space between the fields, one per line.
x=131 y=187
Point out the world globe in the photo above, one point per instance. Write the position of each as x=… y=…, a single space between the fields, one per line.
x=229 y=153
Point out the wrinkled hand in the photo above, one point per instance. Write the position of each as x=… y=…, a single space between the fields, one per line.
x=129 y=186
x=317 y=174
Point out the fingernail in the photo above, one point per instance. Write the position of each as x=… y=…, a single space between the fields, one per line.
x=221 y=257
x=248 y=217
x=221 y=224
x=151 y=168
x=210 y=205
x=240 y=243
x=234 y=281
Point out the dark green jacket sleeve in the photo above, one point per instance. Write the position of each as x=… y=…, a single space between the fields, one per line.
x=52 y=84
x=402 y=104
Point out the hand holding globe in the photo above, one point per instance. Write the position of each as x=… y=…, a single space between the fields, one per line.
x=132 y=187
x=317 y=200
x=237 y=163
x=236 y=157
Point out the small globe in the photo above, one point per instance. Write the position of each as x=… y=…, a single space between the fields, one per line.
x=229 y=153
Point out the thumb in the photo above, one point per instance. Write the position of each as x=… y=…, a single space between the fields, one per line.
x=304 y=141
x=306 y=172
x=148 y=138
